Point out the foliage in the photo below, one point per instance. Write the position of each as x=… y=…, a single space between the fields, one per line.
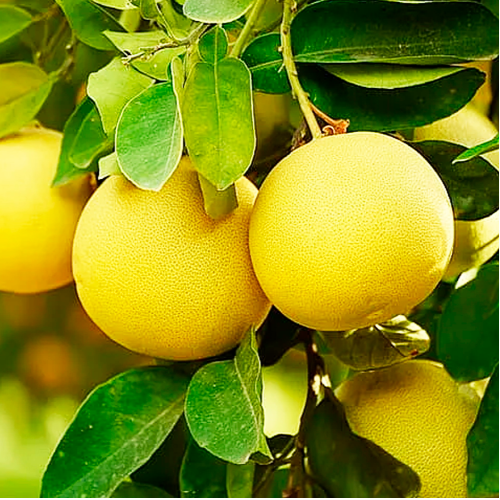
x=164 y=77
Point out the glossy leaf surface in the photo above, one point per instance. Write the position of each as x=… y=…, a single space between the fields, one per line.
x=266 y=64
x=130 y=489
x=88 y=21
x=485 y=147
x=112 y=87
x=149 y=137
x=482 y=445
x=467 y=340
x=399 y=32
x=223 y=406
x=148 y=60
x=202 y=474
x=389 y=76
x=218 y=120
x=239 y=480
x=117 y=428
x=472 y=185
x=66 y=170
x=385 y=110
x=221 y=11
x=90 y=140
x=24 y=88
x=12 y=21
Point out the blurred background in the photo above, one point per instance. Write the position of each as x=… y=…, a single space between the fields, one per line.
x=51 y=357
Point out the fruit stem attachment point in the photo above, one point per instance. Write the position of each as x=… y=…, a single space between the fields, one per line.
x=246 y=32
x=289 y=7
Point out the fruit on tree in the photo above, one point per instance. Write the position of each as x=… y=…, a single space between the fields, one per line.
x=162 y=278
x=416 y=412
x=350 y=230
x=37 y=221
x=475 y=241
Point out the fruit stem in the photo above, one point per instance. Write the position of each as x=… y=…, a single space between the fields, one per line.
x=289 y=8
x=246 y=32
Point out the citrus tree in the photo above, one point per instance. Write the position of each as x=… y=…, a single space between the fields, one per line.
x=228 y=182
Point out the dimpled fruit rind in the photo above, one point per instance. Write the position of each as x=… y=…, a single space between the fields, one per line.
x=419 y=414
x=162 y=278
x=350 y=230
x=37 y=221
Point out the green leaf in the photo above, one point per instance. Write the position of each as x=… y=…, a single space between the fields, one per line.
x=129 y=489
x=472 y=186
x=492 y=5
x=222 y=11
x=467 y=337
x=149 y=137
x=108 y=165
x=23 y=90
x=112 y=87
x=386 y=110
x=266 y=64
x=116 y=4
x=482 y=445
x=88 y=21
x=485 y=147
x=117 y=428
x=223 y=406
x=12 y=21
x=202 y=474
x=218 y=120
x=217 y=204
x=389 y=76
x=151 y=62
x=149 y=9
x=239 y=480
x=90 y=141
x=213 y=45
x=348 y=466
x=66 y=170
x=378 y=346
x=163 y=467
x=425 y=33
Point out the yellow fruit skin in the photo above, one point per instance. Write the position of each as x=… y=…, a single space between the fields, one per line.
x=160 y=277
x=475 y=241
x=416 y=412
x=350 y=230
x=37 y=222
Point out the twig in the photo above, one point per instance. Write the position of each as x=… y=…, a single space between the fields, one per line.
x=289 y=7
x=150 y=51
x=246 y=32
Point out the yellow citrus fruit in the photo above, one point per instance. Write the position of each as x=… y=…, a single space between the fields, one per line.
x=37 y=222
x=159 y=276
x=475 y=241
x=416 y=412
x=350 y=230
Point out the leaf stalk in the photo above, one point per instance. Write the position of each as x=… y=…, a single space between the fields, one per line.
x=246 y=32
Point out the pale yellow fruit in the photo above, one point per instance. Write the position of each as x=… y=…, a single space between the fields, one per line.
x=272 y=119
x=37 y=221
x=350 y=230
x=159 y=276
x=416 y=412
x=475 y=241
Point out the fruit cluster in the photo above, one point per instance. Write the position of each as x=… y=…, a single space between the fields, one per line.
x=346 y=231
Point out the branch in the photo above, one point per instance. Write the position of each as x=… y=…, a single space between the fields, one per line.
x=289 y=7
